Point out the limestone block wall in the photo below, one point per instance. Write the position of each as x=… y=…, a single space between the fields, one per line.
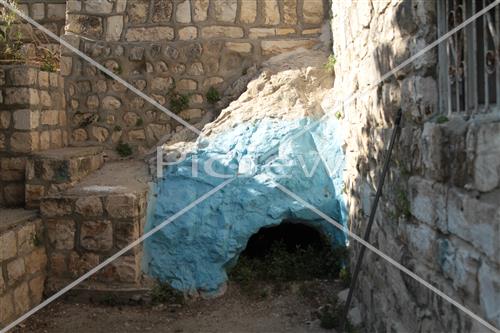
x=83 y=230
x=166 y=48
x=32 y=118
x=22 y=268
x=50 y=13
x=439 y=213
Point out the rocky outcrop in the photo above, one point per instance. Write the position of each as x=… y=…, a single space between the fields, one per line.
x=261 y=139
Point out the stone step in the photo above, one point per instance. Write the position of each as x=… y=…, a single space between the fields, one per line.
x=23 y=263
x=91 y=221
x=52 y=171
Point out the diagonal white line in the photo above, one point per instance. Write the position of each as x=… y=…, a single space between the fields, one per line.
x=100 y=67
x=116 y=255
x=371 y=86
x=387 y=258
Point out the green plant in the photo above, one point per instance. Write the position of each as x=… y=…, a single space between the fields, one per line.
x=178 y=102
x=164 y=293
x=139 y=122
x=330 y=63
x=36 y=240
x=109 y=300
x=339 y=115
x=280 y=265
x=345 y=276
x=402 y=204
x=10 y=41
x=212 y=95
x=49 y=61
x=441 y=119
x=123 y=149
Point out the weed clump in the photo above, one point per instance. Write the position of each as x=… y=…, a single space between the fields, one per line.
x=124 y=149
x=163 y=293
x=178 y=102
x=213 y=95
x=330 y=63
x=282 y=265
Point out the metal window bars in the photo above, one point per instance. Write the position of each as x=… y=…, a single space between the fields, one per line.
x=469 y=61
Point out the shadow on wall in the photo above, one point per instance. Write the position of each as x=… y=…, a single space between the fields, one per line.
x=393 y=301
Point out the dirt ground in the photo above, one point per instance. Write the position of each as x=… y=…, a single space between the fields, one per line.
x=291 y=309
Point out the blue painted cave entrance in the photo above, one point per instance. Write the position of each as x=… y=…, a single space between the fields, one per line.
x=193 y=252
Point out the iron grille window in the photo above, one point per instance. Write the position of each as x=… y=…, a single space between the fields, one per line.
x=469 y=66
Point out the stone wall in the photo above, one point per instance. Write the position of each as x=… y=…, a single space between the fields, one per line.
x=32 y=118
x=439 y=213
x=84 y=230
x=165 y=48
x=22 y=267
x=50 y=13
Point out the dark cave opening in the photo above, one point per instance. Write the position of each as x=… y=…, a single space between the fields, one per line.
x=292 y=236
x=290 y=251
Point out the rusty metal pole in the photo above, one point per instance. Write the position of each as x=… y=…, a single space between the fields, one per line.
x=373 y=210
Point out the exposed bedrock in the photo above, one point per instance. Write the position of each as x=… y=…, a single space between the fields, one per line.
x=260 y=140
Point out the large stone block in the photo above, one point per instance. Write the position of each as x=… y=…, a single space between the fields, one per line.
x=22 y=298
x=5 y=117
x=21 y=96
x=50 y=117
x=24 y=142
x=36 y=261
x=282 y=46
x=7 y=309
x=188 y=33
x=225 y=10
x=248 y=11
x=162 y=10
x=114 y=27
x=90 y=26
x=138 y=11
x=8 y=245
x=89 y=206
x=290 y=12
x=15 y=270
x=161 y=84
x=96 y=235
x=153 y=34
x=239 y=47
x=81 y=264
x=56 y=11
x=489 y=292
x=460 y=263
x=61 y=234
x=200 y=10
x=221 y=31
x=271 y=12
x=122 y=206
x=26 y=119
x=183 y=13
x=475 y=220
x=313 y=11
x=36 y=286
x=25 y=238
x=22 y=76
x=55 y=207
x=428 y=202
x=99 y=6
x=124 y=269
x=487 y=163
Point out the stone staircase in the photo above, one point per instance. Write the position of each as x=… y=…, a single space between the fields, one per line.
x=63 y=210
x=88 y=222
x=84 y=209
